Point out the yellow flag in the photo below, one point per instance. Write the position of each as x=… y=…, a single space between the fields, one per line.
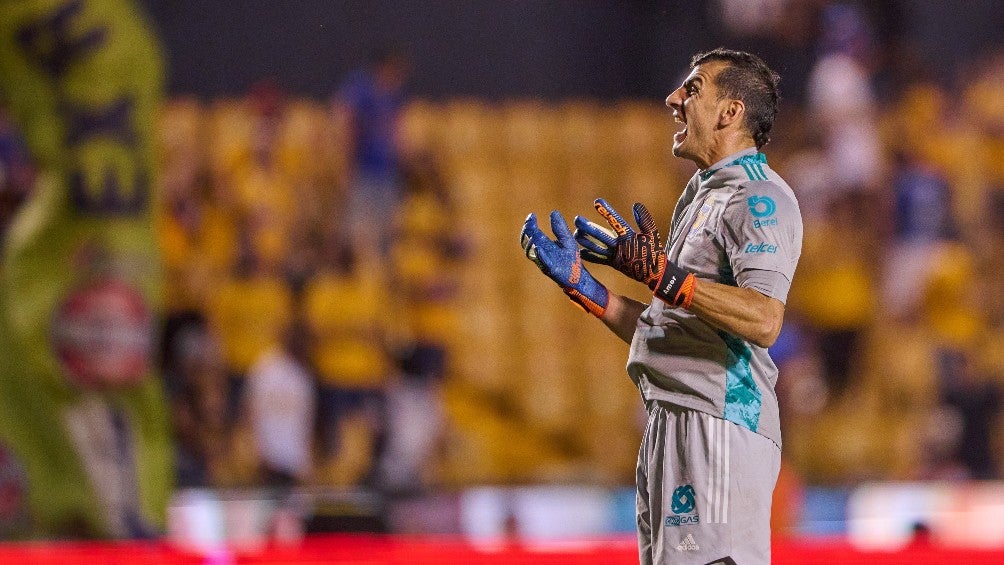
x=83 y=422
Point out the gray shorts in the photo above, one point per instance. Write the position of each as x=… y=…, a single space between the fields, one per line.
x=704 y=490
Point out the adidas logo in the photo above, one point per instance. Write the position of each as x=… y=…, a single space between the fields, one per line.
x=688 y=544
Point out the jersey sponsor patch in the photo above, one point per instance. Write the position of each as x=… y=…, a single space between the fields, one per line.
x=761 y=206
x=760 y=248
x=708 y=209
x=700 y=221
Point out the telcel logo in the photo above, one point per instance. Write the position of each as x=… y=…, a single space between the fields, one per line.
x=761 y=248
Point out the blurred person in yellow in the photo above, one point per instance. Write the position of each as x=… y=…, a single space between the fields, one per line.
x=263 y=190
x=345 y=305
x=835 y=293
x=426 y=260
x=949 y=303
x=985 y=109
x=248 y=311
x=197 y=237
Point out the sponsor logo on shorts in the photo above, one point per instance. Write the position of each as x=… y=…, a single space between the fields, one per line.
x=688 y=544
x=683 y=503
x=673 y=521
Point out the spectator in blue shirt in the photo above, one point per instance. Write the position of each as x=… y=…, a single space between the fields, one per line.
x=368 y=105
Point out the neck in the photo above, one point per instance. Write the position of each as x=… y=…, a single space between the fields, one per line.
x=725 y=146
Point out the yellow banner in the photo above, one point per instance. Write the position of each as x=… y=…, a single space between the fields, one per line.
x=83 y=421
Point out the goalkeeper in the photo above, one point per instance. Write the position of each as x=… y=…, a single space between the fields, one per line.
x=711 y=452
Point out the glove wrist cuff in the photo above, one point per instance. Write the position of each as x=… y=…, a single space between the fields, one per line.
x=655 y=276
x=676 y=286
x=596 y=305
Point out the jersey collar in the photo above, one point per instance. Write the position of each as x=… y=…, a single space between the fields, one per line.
x=749 y=159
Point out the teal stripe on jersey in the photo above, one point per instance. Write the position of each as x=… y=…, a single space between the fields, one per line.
x=749 y=171
x=747 y=162
x=742 y=397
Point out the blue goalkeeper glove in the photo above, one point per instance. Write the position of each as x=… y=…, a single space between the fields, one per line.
x=560 y=261
x=639 y=255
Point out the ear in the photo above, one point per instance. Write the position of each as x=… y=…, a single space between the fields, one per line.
x=732 y=111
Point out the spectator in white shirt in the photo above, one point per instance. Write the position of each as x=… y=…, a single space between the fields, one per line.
x=281 y=406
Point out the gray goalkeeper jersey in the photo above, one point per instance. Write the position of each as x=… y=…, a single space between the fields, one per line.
x=736 y=223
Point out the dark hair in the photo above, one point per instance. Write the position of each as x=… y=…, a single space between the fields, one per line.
x=749 y=79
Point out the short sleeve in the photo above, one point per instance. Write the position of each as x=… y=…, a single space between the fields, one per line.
x=762 y=236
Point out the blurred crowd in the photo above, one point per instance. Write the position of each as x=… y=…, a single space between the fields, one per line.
x=345 y=303
x=890 y=358
x=309 y=278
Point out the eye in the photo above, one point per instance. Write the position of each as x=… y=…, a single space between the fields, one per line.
x=691 y=90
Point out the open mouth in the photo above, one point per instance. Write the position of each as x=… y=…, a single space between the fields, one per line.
x=679 y=136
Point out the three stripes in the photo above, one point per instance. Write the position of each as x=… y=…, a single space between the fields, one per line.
x=718 y=471
x=753 y=169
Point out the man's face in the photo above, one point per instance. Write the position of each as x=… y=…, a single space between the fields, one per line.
x=697 y=106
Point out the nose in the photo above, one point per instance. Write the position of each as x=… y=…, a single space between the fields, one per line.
x=675 y=99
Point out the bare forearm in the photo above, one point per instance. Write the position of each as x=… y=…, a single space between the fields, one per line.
x=621 y=315
x=742 y=312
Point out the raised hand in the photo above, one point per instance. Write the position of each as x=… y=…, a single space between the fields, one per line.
x=559 y=259
x=639 y=255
